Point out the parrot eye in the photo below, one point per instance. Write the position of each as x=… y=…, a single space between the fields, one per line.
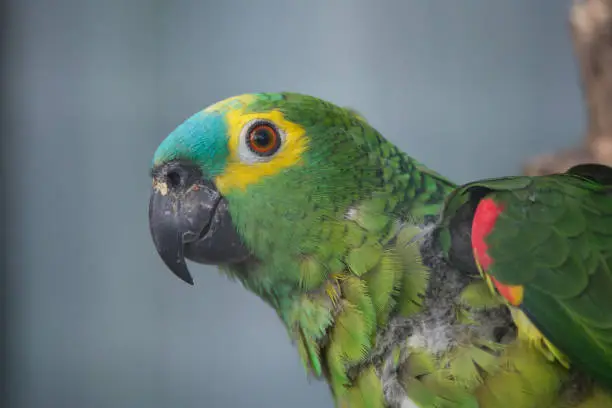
x=263 y=138
x=260 y=140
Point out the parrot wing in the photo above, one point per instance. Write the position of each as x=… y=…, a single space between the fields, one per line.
x=545 y=243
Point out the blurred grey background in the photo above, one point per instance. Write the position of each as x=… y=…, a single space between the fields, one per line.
x=471 y=88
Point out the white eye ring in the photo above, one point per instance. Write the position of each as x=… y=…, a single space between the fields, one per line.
x=260 y=140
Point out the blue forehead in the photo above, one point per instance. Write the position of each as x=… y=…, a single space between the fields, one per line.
x=201 y=139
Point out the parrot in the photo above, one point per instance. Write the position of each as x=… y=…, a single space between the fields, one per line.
x=398 y=287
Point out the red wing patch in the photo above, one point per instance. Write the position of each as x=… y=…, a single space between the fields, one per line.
x=484 y=220
x=485 y=216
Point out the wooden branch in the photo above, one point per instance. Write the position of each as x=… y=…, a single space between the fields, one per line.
x=591 y=28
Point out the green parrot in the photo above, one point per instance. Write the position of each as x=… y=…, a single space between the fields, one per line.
x=310 y=208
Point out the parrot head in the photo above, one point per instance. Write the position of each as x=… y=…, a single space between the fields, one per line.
x=255 y=182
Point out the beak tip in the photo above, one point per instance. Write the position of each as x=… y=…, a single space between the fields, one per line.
x=180 y=271
x=185 y=277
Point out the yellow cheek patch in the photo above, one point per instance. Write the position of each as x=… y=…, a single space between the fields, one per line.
x=239 y=174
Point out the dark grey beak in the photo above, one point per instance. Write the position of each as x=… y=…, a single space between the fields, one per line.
x=189 y=218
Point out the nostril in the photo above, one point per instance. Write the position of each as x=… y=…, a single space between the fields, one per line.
x=174 y=178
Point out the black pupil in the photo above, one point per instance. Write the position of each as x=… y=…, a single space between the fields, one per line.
x=262 y=137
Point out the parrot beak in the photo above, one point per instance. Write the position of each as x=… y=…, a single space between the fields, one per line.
x=189 y=218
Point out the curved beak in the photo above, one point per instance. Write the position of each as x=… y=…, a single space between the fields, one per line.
x=188 y=218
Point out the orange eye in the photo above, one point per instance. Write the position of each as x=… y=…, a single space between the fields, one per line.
x=263 y=139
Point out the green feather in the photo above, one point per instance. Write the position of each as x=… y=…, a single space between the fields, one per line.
x=469 y=364
x=351 y=333
x=311 y=317
x=312 y=273
x=366 y=392
x=449 y=394
x=526 y=380
x=356 y=292
x=421 y=395
x=337 y=370
x=383 y=284
x=415 y=276
x=362 y=259
x=371 y=215
x=354 y=235
x=477 y=295
x=309 y=353
x=418 y=363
